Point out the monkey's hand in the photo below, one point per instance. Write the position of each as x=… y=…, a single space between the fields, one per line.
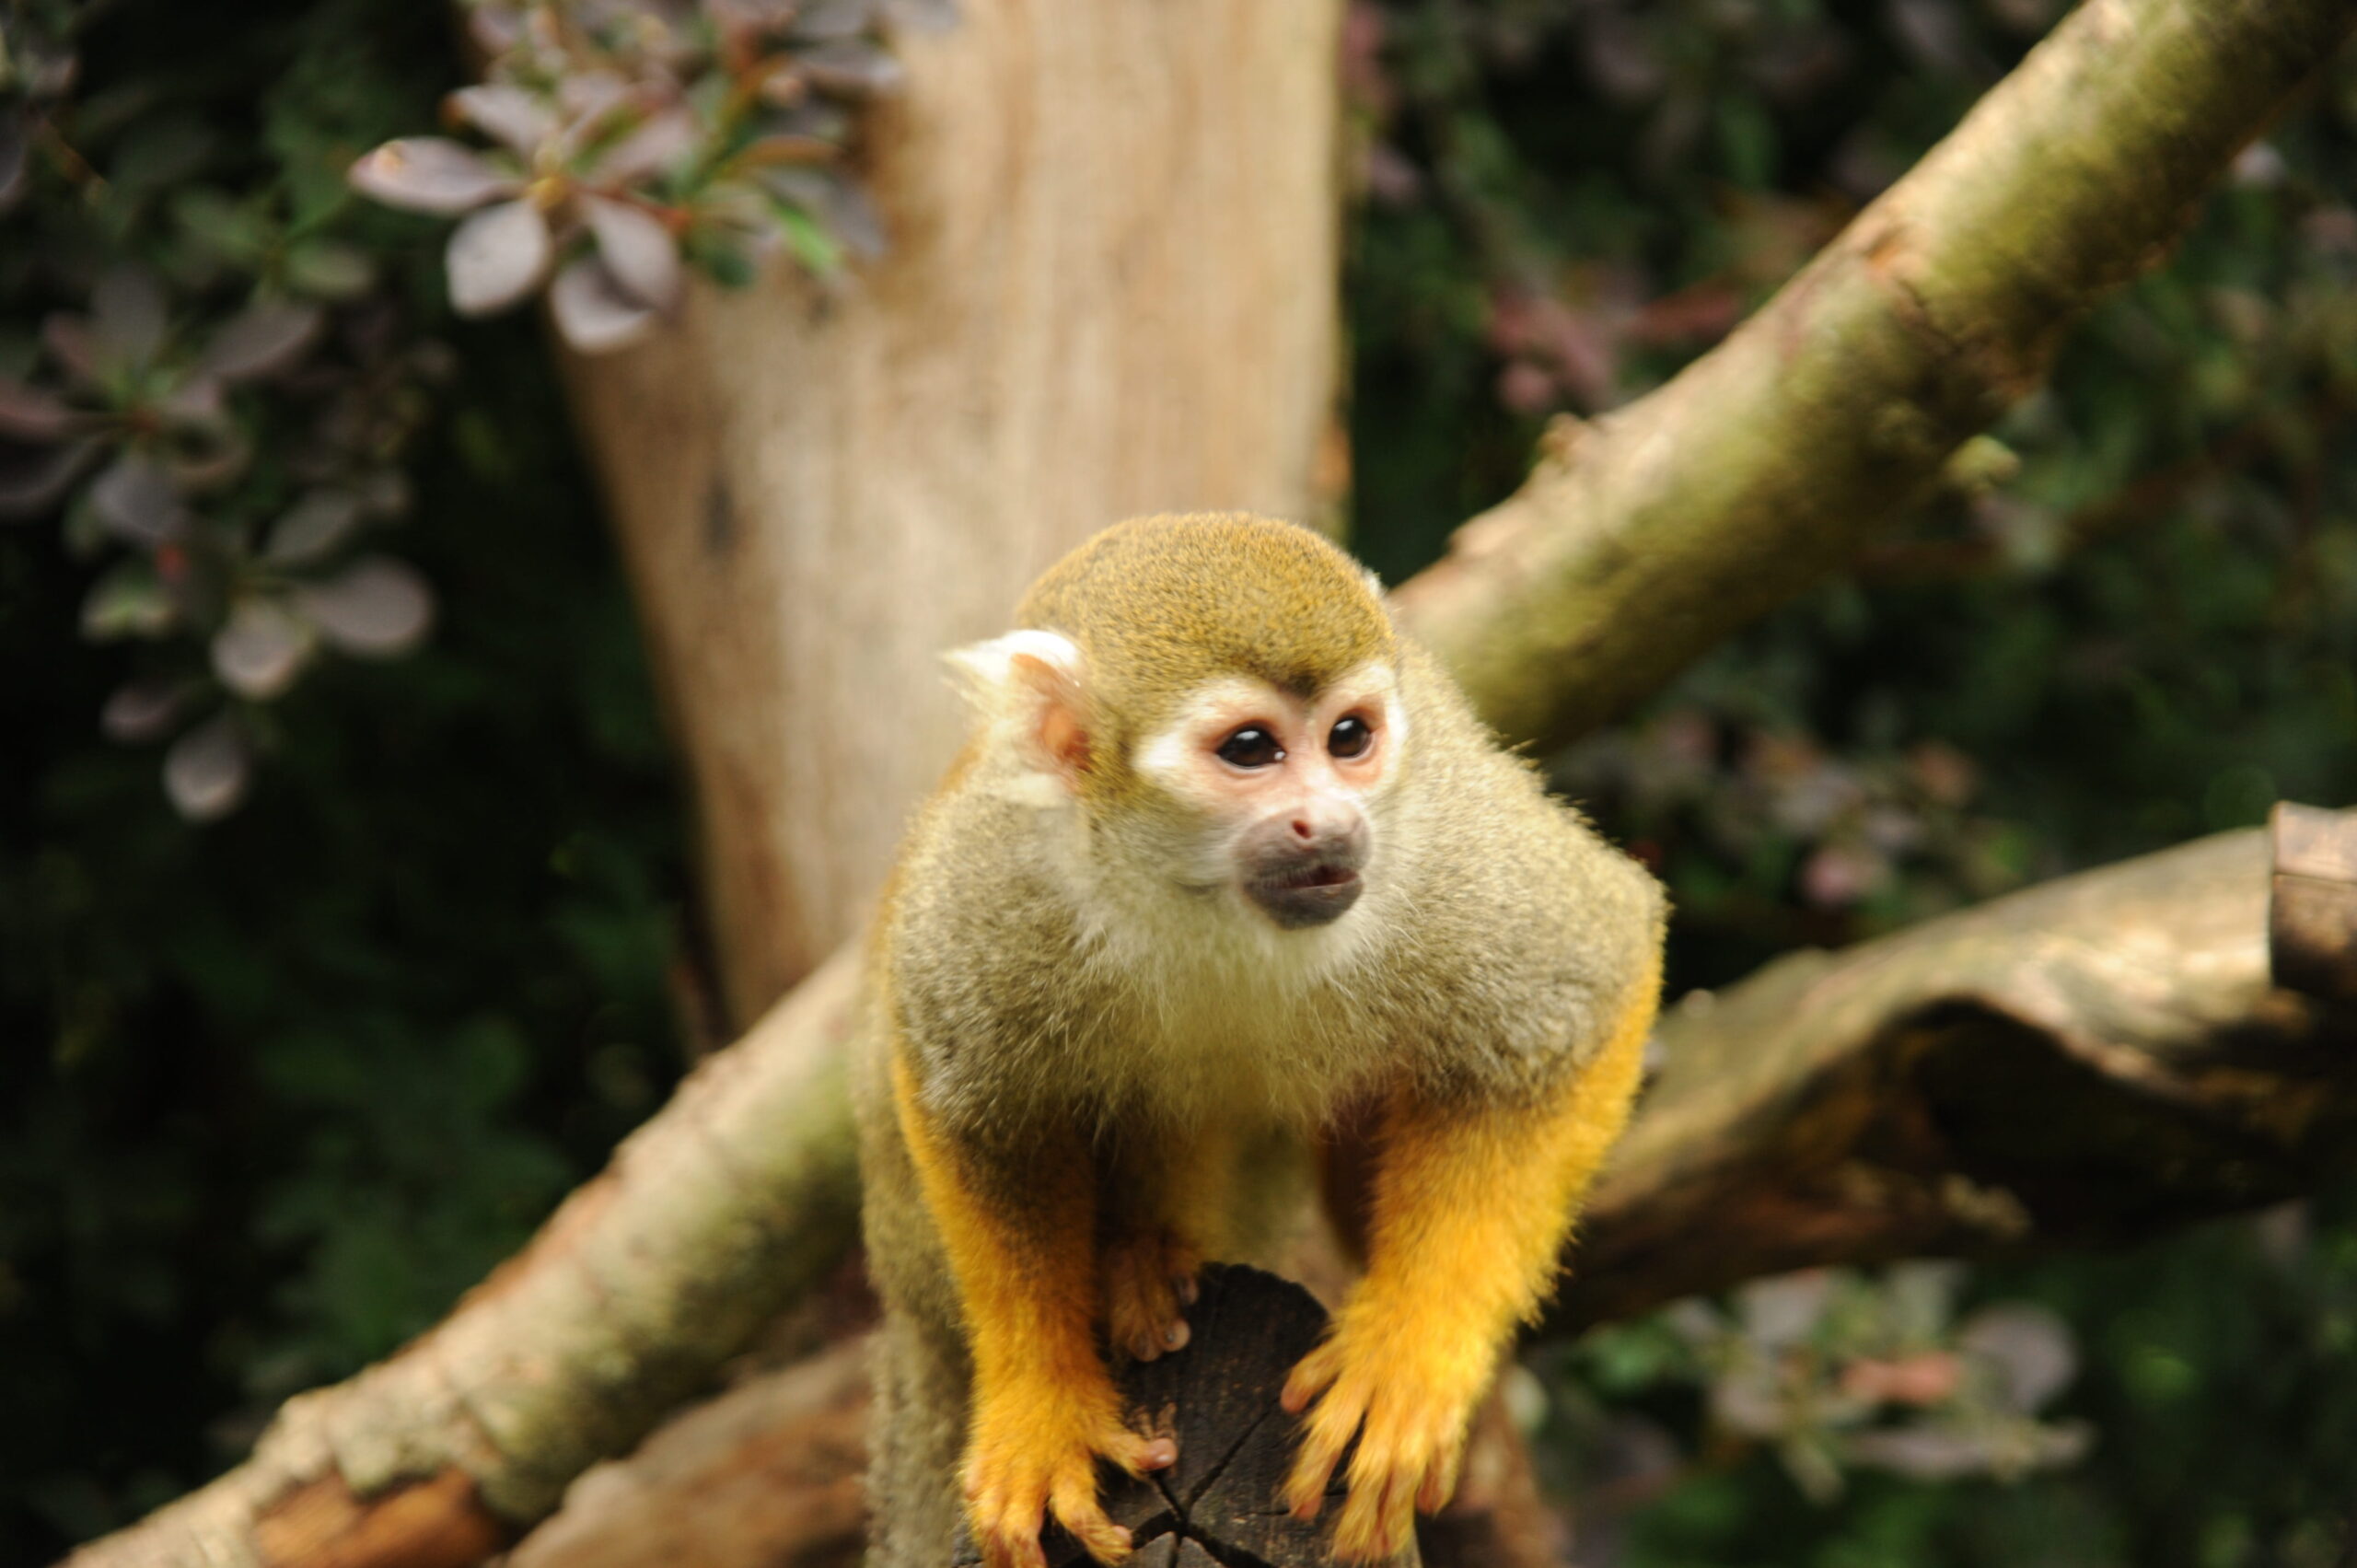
x=1408 y=1394
x=1149 y=1282
x=1037 y=1448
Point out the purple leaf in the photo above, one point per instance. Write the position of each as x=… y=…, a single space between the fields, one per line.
x=826 y=19
x=205 y=455
x=592 y=311
x=135 y=500
x=207 y=770
x=197 y=401
x=586 y=95
x=786 y=147
x=429 y=174
x=312 y=527
x=856 y=222
x=494 y=28
x=127 y=317
x=142 y=710
x=506 y=114
x=2030 y=1346
x=850 y=68
x=1923 y=1453
x=378 y=606
x=496 y=257
x=68 y=338
x=1784 y=1310
x=261 y=340
x=28 y=413
x=637 y=249
x=34 y=479
x=664 y=140
x=261 y=647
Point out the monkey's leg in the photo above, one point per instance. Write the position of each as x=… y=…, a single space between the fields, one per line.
x=917 y=1428
x=1471 y=1207
x=1166 y=1199
x=1022 y=1247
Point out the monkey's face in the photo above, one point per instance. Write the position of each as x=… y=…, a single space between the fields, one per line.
x=1284 y=790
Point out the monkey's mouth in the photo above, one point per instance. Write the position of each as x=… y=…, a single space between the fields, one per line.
x=1307 y=895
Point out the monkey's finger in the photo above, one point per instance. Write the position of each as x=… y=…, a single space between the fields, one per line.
x=1440 y=1480
x=1084 y=1518
x=1306 y=1488
x=1011 y=1546
x=1138 y=1455
x=1014 y=1551
x=1311 y=1374
x=1375 y=1517
x=1151 y=1344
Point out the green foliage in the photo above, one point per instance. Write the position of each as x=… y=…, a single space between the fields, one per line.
x=274 y=1092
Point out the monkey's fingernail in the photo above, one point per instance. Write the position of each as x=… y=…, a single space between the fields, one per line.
x=1142 y=1348
x=1161 y=1454
x=1175 y=1336
x=1188 y=1290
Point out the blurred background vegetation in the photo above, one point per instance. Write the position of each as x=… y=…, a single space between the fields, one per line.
x=273 y=1089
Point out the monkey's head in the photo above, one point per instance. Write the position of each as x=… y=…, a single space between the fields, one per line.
x=1218 y=697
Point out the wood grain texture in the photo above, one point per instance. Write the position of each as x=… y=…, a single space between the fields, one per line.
x=1218 y=1397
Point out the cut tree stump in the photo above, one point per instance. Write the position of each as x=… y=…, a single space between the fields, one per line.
x=2312 y=910
x=1218 y=1398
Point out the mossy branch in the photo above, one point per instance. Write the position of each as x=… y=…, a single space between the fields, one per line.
x=1643 y=537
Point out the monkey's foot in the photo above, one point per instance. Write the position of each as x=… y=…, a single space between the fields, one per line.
x=1149 y=1282
x=1409 y=1407
x=1030 y=1454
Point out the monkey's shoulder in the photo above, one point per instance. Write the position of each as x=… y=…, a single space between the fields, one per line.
x=1530 y=936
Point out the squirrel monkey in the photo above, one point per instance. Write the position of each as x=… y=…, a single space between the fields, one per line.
x=1225 y=852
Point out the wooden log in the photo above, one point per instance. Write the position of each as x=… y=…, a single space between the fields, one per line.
x=2311 y=903
x=1218 y=1398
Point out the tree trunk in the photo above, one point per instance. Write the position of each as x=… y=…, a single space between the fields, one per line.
x=1111 y=291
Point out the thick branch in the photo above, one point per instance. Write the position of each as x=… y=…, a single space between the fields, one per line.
x=2088 y=1061
x=1642 y=537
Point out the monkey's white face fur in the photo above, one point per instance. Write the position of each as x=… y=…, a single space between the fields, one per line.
x=1256 y=862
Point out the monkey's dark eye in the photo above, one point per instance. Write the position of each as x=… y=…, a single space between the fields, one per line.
x=1251 y=746
x=1350 y=738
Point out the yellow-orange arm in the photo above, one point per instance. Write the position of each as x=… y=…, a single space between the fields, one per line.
x=1021 y=1245
x=1471 y=1206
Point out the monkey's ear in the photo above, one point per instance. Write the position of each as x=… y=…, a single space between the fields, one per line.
x=1028 y=686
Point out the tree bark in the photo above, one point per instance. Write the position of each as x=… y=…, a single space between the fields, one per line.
x=1111 y=291
x=2084 y=1062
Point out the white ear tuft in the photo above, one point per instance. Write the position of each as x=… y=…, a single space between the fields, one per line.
x=986 y=670
x=1025 y=686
